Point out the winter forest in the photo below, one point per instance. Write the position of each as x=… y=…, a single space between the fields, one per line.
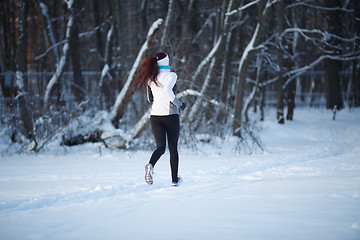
x=269 y=140
x=67 y=67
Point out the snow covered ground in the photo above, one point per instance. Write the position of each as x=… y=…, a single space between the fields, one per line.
x=305 y=186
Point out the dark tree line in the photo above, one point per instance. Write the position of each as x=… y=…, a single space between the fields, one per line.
x=72 y=57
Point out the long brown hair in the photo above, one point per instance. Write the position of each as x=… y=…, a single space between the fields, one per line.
x=149 y=71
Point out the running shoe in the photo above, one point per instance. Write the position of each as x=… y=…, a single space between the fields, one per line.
x=148 y=173
x=176 y=184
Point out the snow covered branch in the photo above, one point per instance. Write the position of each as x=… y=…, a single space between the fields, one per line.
x=119 y=106
x=167 y=20
x=306 y=4
x=296 y=72
x=45 y=12
x=206 y=59
x=270 y=3
x=242 y=8
x=253 y=44
x=56 y=44
x=206 y=23
x=197 y=103
x=140 y=125
x=106 y=69
x=323 y=37
x=61 y=66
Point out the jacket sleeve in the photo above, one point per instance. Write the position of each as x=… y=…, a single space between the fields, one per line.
x=149 y=94
x=168 y=88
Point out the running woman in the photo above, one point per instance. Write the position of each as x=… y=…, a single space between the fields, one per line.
x=160 y=83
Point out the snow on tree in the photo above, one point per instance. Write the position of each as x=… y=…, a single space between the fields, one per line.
x=196 y=107
x=21 y=68
x=45 y=12
x=122 y=99
x=167 y=23
x=246 y=56
x=55 y=79
x=105 y=72
x=296 y=59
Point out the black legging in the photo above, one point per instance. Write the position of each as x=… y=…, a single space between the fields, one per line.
x=169 y=126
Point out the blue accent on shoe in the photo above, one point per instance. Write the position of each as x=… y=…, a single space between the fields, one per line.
x=176 y=184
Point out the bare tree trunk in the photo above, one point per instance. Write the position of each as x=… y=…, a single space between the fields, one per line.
x=119 y=107
x=291 y=100
x=252 y=95
x=244 y=62
x=167 y=24
x=21 y=61
x=280 y=94
x=227 y=51
x=55 y=79
x=49 y=37
x=226 y=78
x=8 y=35
x=243 y=65
x=355 y=88
x=74 y=48
x=196 y=106
x=105 y=73
x=206 y=60
x=99 y=42
x=293 y=85
x=187 y=8
x=262 y=102
x=142 y=16
x=116 y=13
x=355 y=82
x=334 y=94
x=218 y=44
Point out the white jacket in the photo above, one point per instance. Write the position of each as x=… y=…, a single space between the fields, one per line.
x=163 y=94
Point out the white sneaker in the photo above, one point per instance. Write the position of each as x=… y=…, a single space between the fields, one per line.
x=148 y=173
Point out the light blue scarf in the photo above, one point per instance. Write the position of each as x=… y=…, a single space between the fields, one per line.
x=164 y=67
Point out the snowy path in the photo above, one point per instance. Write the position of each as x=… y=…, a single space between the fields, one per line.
x=306 y=186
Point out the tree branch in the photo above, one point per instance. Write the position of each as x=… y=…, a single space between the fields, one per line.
x=120 y=103
x=242 y=8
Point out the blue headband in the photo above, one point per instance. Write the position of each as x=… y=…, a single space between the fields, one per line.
x=164 y=67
